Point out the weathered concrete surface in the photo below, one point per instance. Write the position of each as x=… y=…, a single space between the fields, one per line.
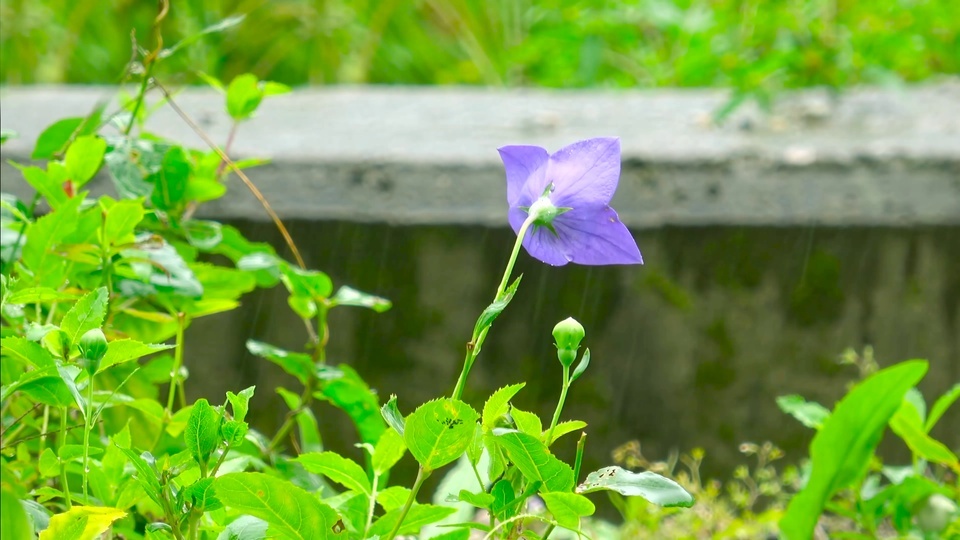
x=428 y=155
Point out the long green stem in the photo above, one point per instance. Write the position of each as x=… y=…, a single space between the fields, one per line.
x=421 y=476
x=560 y=402
x=63 y=466
x=177 y=363
x=476 y=341
x=373 y=504
x=87 y=426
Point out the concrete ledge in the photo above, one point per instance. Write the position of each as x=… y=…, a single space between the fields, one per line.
x=428 y=155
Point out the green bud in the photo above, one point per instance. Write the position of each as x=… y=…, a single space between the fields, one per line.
x=93 y=347
x=568 y=334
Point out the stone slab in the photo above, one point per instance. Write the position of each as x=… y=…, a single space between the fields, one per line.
x=410 y=155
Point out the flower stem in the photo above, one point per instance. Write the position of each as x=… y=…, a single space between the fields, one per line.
x=476 y=341
x=422 y=475
x=88 y=425
x=563 y=398
x=63 y=466
x=177 y=363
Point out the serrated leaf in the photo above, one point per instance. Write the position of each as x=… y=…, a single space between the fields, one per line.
x=439 y=432
x=564 y=428
x=81 y=523
x=202 y=434
x=202 y=496
x=568 y=508
x=491 y=312
x=842 y=448
x=126 y=350
x=418 y=517
x=121 y=221
x=498 y=404
x=28 y=352
x=337 y=468
x=50 y=188
x=290 y=511
x=86 y=314
x=809 y=413
x=649 y=485
x=527 y=422
x=534 y=460
x=43 y=236
x=388 y=451
x=42 y=295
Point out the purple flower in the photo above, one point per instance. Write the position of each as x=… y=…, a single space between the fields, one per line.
x=567 y=197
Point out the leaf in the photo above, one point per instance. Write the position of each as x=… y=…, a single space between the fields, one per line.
x=52 y=139
x=202 y=495
x=48 y=187
x=649 y=485
x=940 y=407
x=124 y=350
x=809 y=413
x=43 y=236
x=170 y=182
x=158 y=268
x=563 y=428
x=203 y=432
x=841 y=450
x=439 y=432
x=15 y=524
x=240 y=402
x=245 y=528
x=418 y=517
x=391 y=415
x=121 y=221
x=306 y=422
x=908 y=425
x=581 y=366
x=534 y=460
x=491 y=312
x=81 y=523
x=86 y=314
x=83 y=158
x=243 y=96
x=147 y=475
x=568 y=508
x=203 y=234
x=297 y=364
x=126 y=173
x=350 y=393
x=348 y=296
x=288 y=509
x=527 y=422
x=499 y=404
x=337 y=468
x=388 y=451
x=225 y=24
x=311 y=284
x=43 y=295
x=393 y=497
x=29 y=352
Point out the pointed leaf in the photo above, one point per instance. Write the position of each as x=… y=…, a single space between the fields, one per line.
x=202 y=434
x=439 y=432
x=534 y=460
x=86 y=314
x=809 y=413
x=649 y=485
x=499 y=404
x=568 y=508
x=337 y=468
x=940 y=407
x=418 y=517
x=81 y=523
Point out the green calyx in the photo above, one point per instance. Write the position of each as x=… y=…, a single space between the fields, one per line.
x=568 y=334
x=544 y=212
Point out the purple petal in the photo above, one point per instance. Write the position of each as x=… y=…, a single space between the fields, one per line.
x=523 y=164
x=585 y=173
x=596 y=237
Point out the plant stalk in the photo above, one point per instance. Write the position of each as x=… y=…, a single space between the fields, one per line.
x=422 y=475
x=563 y=399
x=177 y=363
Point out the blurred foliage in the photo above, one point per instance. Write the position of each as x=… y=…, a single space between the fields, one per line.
x=755 y=46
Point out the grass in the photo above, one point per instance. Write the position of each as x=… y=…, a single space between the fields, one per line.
x=755 y=46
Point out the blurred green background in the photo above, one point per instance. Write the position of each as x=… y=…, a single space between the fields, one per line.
x=758 y=46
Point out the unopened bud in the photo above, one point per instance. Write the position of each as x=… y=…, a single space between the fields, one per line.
x=93 y=347
x=568 y=334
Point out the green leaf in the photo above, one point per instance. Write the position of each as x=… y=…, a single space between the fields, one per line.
x=391 y=415
x=841 y=450
x=225 y=24
x=55 y=137
x=393 y=497
x=907 y=423
x=290 y=511
x=499 y=404
x=202 y=495
x=203 y=234
x=337 y=468
x=203 y=431
x=418 y=517
x=649 y=485
x=158 y=268
x=491 y=312
x=43 y=183
x=306 y=422
x=245 y=528
x=582 y=366
x=388 y=451
x=86 y=314
x=126 y=173
x=809 y=413
x=940 y=407
x=15 y=524
x=439 y=432
x=534 y=460
x=311 y=284
x=240 y=402
x=480 y=500
x=125 y=350
x=348 y=296
x=146 y=475
x=81 y=523
x=243 y=96
x=297 y=364
x=563 y=428
x=121 y=221
x=348 y=392
x=527 y=422
x=83 y=158
x=568 y=508
x=170 y=182
x=43 y=295
x=28 y=352
x=43 y=236
x=49 y=463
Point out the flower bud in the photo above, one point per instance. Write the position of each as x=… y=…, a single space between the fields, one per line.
x=93 y=347
x=568 y=334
